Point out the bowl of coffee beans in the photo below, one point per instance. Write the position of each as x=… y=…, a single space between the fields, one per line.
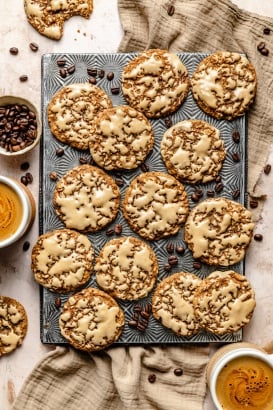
x=20 y=126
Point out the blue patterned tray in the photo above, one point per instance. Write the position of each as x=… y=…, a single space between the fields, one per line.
x=233 y=176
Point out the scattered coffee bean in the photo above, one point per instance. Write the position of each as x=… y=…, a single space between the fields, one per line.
x=53 y=176
x=83 y=160
x=23 y=78
x=171 y=10
x=26 y=246
x=119 y=182
x=63 y=72
x=59 y=152
x=101 y=73
x=253 y=203
x=29 y=177
x=115 y=90
x=135 y=316
x=132 y=323
x=258 y=237
x=235 y=156
x=144 y=167
x=24 y=180
x=173 y=260
x=236 y=136
x=199 y=192
x=110 y=76
x=14 y=51
x=110 y=232
x=261 y=45
x=152 y=378
x=148 y=308
x=168 y=122
x=178 y=371
x=92 y=71
x=267 y=169
x=141 y=327
x=58 y=302
x=24 y=166
x=61 y=62
x=71 y=69
x=218 y=187
x=180 y=249
x=236 y=193
x=170 y=247
x=266 y=31
x=210 y=193
x=137 y=308
x=195 y=197
x=197 y=265
x=167 y=267
x=145 y=314
x=92 y=80
x=118 y=229
x=34 y=47
x=218 y=178
x=262 y=48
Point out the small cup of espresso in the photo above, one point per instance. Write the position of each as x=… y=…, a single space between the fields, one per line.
x=240 y=376
x=17 y=210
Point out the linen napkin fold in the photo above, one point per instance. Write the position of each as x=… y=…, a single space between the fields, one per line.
x=117 y=379
x=208 y=26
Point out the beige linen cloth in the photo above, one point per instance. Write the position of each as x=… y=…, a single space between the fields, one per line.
x=118 y=377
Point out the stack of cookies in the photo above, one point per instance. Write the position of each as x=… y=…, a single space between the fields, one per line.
x=152 y=206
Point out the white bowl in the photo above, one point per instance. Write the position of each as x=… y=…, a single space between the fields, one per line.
x=12 y=100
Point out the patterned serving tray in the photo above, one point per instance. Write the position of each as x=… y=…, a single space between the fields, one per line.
x=233 y=180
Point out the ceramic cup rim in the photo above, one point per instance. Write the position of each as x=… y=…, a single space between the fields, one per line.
x=25 y=207
x=228 y=357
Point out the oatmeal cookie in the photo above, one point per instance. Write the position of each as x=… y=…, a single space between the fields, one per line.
x=86 y=199
x=218 y=231
x=224 y=85
x=126 y=268
x=91 y=320
x=155 y=82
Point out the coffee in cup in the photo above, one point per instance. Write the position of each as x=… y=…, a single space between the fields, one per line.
x=240 y=377
x=17 y=210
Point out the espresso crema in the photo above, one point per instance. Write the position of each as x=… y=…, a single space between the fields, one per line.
x=11 y=211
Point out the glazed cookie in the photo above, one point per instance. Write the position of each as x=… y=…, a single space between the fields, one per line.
x=86 y=199
x=224 y=85
x=155 y=205
x=218 y=231
x=224 y=302
x=155 y=82
x=91 y=320
x=13 y=324
x=126 y=268
x=62 y=260
x=121 y=138
x=172 y=303
x=193 y=151
x=72 y=111
x=48 y=16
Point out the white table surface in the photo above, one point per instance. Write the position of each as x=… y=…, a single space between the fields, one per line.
x=102 y=33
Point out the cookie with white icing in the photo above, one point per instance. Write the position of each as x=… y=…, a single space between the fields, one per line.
x=224 y=302
x=172 y=303
x=193 y=151
x=155 y=205
x=62 y=260
x=155 y=82
x=224 y=85
x=72 y=111
x=13 y=324
x=218 y=231
x=121 y=138
x=126 y=268
x=48 y=16
x=86 y=199
x=91 y=320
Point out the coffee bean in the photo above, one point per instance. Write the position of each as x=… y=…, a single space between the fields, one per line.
x=267 y=169
x=132 y=323
x=173 y=260
x=178 y=371
x=197 y=265
x=170 y=247
x=115 y=90
x=261 y=45
x=101 y=73
x=141 y=327
x=258 y=237
x=145 y=314
x=267 y=31
x=167 y=267
x=53 y=176
x=14 y=51
x=26 y=246
x=92 y=80
x=58 y=302
x=144 y=167
x=29 y=177
x=63 y=72
x=235 y=156
x=118 y=229
x=119 y=182
x=210 y=193
x=218 y=178
x=24 y=166
x=218 y=187
x=253 y=203
x=236 y=136
x=148 y=308
x=23 y=78
x=137 y=308
x=110 y=232
x=110 y=76
x=34 y=47
x=264 y=51
x=152 y=378
x=235 y=194
x=199 y=192
x=59 y=152
x=61 y=62
x=195 y=197
x=171 y=10
x=71 y=69
x=168 y=122
x=83 y=160
x=92 y=72
x=180 y=249
x=24 y=180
